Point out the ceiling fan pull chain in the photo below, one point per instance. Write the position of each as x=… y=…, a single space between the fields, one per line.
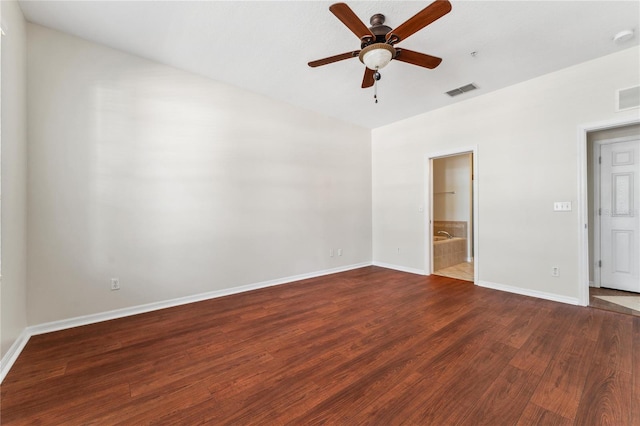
x=375 y=90
x=376 y=77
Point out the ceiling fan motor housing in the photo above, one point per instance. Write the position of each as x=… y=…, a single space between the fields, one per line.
x=376 y=52
x=378 y=29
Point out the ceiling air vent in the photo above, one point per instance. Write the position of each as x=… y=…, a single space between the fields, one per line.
x=628 y=98
x=462 y=89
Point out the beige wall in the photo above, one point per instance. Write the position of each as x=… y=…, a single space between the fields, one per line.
x=176 y=184
x=13 y=295
x=527 y=141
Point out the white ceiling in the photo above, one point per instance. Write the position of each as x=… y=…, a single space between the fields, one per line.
x=264 y=46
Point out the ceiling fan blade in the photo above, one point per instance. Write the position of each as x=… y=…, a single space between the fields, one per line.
x=332 y=59
x=417 y=58
x=434 y=11
x=351 y=20
x=368 y=81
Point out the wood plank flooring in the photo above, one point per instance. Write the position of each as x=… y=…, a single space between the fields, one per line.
x=369 y=346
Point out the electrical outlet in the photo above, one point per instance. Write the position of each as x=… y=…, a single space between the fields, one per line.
x=555 y=271
x=115 y=284
x=330 y=252
x=339 y=252
x=562 y=206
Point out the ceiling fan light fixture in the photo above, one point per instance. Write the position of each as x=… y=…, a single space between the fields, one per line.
x=376 y=56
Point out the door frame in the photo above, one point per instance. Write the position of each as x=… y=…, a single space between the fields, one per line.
x=428 y=202
x=583 y=205
x=596 y=202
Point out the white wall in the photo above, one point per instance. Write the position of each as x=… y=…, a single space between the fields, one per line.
x=13 y=292
x=177 y=184
x=527 y=143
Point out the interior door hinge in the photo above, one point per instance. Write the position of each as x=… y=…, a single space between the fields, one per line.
x=599 y=211
x=599 y=263
x=599 y=160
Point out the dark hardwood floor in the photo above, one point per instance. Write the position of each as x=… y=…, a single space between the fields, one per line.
x=369 y=346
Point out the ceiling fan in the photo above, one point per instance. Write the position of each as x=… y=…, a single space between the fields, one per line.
x=377 y=43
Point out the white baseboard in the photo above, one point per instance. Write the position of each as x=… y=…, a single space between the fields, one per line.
x=17 y=347
x=400 y=268
x=533 y=293
x=12 y=354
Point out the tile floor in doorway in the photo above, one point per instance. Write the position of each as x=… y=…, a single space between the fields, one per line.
x=615 y=300
x=461 y=271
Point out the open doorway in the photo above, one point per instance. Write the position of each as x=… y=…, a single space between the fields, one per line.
x=452 y=226
x=613 y=201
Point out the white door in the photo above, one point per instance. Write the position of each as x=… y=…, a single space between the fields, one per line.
x=619 y=219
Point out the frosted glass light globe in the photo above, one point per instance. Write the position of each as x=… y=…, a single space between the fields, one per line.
x=377 y=56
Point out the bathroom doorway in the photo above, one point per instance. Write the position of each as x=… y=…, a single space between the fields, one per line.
x=452 y=211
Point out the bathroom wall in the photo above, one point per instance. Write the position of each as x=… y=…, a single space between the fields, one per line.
x=452 y=174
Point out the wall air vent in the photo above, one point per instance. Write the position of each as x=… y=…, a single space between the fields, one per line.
x=628 y=98
x=462 y=89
